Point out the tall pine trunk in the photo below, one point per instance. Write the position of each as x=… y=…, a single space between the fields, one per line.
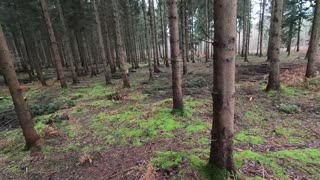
x=121 y=55
x=261 y=27
x=313 y=44
x=147 y=33
x=67 y=43
x=175 y=59
x=54 y=45
x=221 y=154
x=275 y=45
x=106 y=68
x=24 y=116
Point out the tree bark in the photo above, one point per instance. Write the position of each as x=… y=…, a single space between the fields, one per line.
x=165 y=20
x=175 y=60
x=275 y=45
x=221 y=154
x=154 y=38
x=126 y=83
x=261 y=27
x=313 y=44
x=67 y=43
x=54 y=44
x=106 y=68
x=147 y=33
x=24 y=116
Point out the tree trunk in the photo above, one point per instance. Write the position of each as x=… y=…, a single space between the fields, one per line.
x=126 y=83
x=24 y=116
x=165 y=20
x=183 y=36
x=261 y=27
x=207 y=51
x=274 y=45
x=221 y=154
x=244 y=29
x=154 y=38
x=290 y=39
x=299 y=27
x=147 y=33
x=54 y=44
x=175 y=60
x=67 y=43
x=313 y=44
x=106 y=68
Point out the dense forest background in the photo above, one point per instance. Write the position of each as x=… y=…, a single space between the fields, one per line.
x=159 y=89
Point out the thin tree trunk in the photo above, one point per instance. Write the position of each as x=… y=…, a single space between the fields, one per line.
x=175 y=60
x=54 y=44
x=313 y=44
x=221 y=154
x=290 y=39
x=183 y=36
x=67 y=44
x=154 y=38
x=261 y=27
x=274 y=45
x=147 y=38
x=126 y=83
x=165 y=20
x=299 y=27
x=24 y=116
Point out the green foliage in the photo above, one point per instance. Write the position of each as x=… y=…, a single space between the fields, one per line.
x=102 y=103
x=138 y=97
x=78 y=112
x=287 y=91
x=289 y=108
x=239 y=158
x=44 y=109
x=72 y=146
x=250 y=139
x=169 y=159
x=5 y=103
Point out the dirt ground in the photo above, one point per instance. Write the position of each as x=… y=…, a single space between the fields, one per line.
x=93 y=131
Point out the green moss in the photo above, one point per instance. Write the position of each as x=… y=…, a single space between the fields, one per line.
x=70 y=130
x=253 y=140
x=287 y=91
x=79 y=112
x=46 y=150
x=306 y=161
x=289 y=108
x=138 y=97
x=71 y=147
x=30 y=94
x=255 y=115
x=239 y=158
x=203 y=141
x=5 y=103
x=12 y=168
x=101 y=103
x=169 y=159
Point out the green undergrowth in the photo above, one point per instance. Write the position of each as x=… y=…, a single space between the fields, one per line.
x=305 y=161
x=143 y=122
x=253 y=139
x=5 y=103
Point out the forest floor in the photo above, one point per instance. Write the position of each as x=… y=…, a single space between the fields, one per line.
x=93 y=131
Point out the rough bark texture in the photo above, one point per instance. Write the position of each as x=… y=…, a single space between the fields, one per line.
x=121 y=55
x=224 y=85
x=313 y=44
x=175 y=59
x=274 y=45
x=165 y=35
x=54 y=45
x=24 y=116
x=106 y=68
